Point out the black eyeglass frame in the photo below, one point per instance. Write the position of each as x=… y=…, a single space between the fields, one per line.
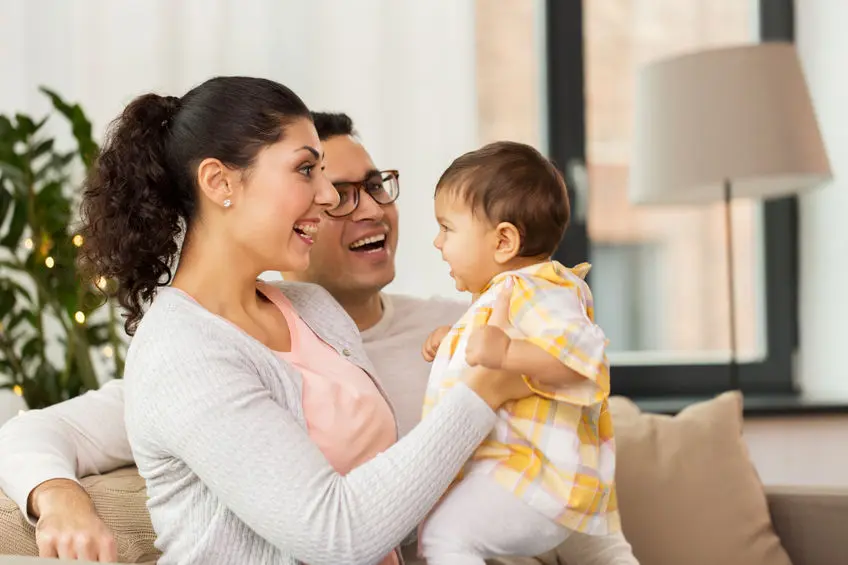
x=366 y=185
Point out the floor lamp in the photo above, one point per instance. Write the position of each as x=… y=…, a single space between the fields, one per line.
x=721 y=124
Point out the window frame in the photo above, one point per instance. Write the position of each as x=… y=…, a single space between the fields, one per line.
x=566 y=129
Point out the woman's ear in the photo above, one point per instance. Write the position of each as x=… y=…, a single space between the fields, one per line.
x=216 y=181
x=508 y=242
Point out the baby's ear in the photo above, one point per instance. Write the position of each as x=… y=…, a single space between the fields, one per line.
x=508 y=242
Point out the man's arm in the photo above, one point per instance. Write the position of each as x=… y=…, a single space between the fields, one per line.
x=79 y=437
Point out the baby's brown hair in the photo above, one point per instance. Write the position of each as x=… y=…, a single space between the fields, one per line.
x=506 y=181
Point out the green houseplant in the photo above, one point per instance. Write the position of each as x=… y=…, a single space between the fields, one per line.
x=55 y=329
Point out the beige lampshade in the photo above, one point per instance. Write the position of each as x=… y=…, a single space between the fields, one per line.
x=740 y=113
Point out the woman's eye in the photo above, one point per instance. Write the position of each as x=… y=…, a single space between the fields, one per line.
x=306 y=170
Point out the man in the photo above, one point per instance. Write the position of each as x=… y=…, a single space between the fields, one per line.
x=43 y=452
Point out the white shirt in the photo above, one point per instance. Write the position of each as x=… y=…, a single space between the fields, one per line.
x=86 y=435
x=394 y=347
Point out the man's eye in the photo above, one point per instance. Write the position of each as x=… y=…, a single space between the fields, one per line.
x=306 y=170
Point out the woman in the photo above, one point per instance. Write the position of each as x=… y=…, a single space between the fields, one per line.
x=250 y=408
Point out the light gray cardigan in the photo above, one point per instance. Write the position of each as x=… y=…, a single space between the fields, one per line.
x=217 y=430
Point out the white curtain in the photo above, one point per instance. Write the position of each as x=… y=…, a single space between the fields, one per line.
x=404 y=70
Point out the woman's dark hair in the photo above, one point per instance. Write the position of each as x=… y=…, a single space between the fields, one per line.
x=141 y=193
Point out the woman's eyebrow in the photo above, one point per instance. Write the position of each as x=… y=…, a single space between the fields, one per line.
x=311 y=150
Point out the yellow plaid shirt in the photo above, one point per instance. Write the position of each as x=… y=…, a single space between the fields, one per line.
x=555 y=450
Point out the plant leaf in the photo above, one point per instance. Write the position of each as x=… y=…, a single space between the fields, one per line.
x=5 y=203
x=56 y=164
x=26 y=127
x=31 y=349
x=41 y=149
x=6 y=127
x=80 y=125
x=17 y=225
x=15 y=175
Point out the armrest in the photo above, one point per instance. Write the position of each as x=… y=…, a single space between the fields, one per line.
x=810 y=522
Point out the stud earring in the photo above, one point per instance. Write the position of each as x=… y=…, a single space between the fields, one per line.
x=227 y=203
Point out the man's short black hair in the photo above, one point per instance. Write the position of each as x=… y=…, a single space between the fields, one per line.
x=331 y=124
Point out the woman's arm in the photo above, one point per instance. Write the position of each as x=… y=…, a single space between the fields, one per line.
x=79 y=437
x=220 y=420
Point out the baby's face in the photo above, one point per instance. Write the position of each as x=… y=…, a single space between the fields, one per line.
x=467 y=243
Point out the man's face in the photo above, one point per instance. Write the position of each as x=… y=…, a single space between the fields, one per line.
x=339 y=260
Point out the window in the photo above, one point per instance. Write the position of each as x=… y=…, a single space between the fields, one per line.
x=631 y=309
x=620 y=36
x=658 y=274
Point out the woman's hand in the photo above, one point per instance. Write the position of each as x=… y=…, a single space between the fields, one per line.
x=496 y=387
x=68 y=526
x=434 y=340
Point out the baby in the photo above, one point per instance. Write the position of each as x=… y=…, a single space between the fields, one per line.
x=548 y=466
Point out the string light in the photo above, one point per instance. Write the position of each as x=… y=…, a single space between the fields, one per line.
x=108 y=352
x=49 y=262
x=18 y=390
x=78 y=240
x=46 y=246
x=102 y=283
x=79 y=317
x=28 y=244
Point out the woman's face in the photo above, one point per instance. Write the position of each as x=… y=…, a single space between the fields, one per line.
x=279 y=206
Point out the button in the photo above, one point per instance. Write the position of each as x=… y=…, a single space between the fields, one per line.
x=346 y=352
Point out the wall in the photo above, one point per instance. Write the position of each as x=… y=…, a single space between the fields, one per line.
x=811 y=450
x=405 y=71
x=823 y=46
x=805 y=450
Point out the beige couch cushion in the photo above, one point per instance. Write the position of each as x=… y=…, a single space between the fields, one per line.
x=120 y=498
x=688 y=491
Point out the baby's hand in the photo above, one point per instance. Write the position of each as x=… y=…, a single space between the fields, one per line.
x=431 y=346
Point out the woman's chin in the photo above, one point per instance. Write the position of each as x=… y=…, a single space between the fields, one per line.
x=296 y=261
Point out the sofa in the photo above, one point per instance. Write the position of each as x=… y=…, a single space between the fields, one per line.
x=687 y=491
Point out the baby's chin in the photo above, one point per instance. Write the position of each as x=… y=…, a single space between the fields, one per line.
x=462 y=286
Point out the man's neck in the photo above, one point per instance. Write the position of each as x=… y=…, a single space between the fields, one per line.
x=366 y=311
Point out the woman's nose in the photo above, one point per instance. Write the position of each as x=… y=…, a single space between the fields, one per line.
x=327 y=195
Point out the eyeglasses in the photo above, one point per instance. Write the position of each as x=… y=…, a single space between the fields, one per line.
x=381 y=186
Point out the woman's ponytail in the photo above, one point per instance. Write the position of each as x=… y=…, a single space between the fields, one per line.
x=132 y=210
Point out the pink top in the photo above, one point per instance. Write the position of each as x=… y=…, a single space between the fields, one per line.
x=346 y=415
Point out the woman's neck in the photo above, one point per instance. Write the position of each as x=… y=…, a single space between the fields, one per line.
x=216 y=276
